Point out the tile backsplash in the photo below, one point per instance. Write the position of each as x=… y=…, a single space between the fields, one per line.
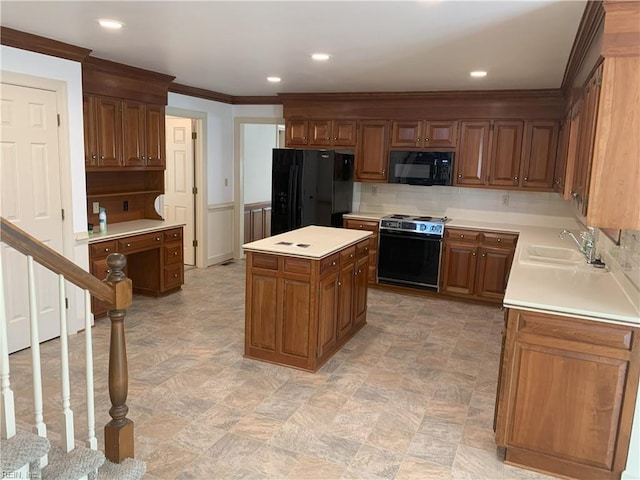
x=507 y=206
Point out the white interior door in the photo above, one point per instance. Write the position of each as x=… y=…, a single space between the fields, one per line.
x=179 y=199
x=30 y=198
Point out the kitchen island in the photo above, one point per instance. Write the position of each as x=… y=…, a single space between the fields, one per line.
x=306 y=294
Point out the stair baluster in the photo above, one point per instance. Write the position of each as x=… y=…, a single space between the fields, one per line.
x=118 y=433
x=92 y=441
x=38 y=407
x=8 y=413
x=68 y=437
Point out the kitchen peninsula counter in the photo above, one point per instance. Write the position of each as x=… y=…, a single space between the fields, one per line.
x=306 y=294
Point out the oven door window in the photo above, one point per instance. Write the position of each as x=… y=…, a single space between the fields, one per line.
x=411 y=259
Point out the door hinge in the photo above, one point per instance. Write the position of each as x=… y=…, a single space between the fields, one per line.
x=62 y=212
x=194 y=135
x=195 y=243
x=194 y=190
x=66 y=303
x=58 y=116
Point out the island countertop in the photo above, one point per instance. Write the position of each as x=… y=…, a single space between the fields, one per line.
x=308 y=242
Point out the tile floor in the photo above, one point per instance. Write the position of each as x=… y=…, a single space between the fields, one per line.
x=411 y=396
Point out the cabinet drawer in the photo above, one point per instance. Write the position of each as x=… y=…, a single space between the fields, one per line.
x=173 y=276
x=369 y=225
x=131 y=244
x=173 y=234
x=268 y=262
x=102 y=249
x=297 y=265
x=362 y=249
x=462 y=235
x=347 y=255
x=329 y=264
x=99 y=268
x=173 y=253
x=498 y=238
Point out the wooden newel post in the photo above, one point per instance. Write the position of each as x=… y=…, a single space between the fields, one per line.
x=118 y=433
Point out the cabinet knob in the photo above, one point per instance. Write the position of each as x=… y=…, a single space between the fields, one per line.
x=335 y=139
x=515 y=178
x=175 y=235
x=94 y=156
x=427 y=140
x=106 y=249
x=361 y=226
x=462 y=235
x=418 y=140
x=128 y=244
x=101 y=157
x=473 y=253
x=484 y=254
x=142 y=158
x=175 y=254
x=384 y=171
x=366 y=249
x=499 y=240
x=304 y=138
x=175 y=275
x=526 y=179
x=574 y=194
x=157 y=239
x=339 y=284
x=359 y=271
x=333 y=264
x=459 y=175
x=351 y=255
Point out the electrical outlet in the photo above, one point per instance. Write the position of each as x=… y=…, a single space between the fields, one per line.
x=96 y=207
x=226 y=182
x=125 y=206
x=505 y=200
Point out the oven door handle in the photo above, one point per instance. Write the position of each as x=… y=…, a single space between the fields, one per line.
x=417 y=236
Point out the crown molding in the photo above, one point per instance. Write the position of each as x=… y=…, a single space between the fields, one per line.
x=38 y=44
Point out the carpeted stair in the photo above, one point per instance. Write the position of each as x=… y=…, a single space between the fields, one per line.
x=27 y=448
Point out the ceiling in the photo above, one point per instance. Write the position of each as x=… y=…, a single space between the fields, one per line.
x=380 y=46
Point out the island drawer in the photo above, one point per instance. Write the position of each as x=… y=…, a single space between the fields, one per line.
x=362 y=248
x=300 y=266
x=348 y=254
x=267 y=262
x=330 y=263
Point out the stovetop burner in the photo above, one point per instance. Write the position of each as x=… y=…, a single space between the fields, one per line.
x=423 y=224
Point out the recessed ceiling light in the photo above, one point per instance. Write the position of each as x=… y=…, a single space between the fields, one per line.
x=113 y=24
x=320 y=56
x=274 y=79
x=478 y=74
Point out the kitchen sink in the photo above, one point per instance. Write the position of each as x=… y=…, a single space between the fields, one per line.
x=551 y=256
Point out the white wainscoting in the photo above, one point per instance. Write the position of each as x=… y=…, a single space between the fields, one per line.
x=219 y=233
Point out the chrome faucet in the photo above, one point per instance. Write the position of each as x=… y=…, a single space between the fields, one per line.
x=588 y=245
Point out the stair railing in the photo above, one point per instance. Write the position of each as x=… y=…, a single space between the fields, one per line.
x=115 y=290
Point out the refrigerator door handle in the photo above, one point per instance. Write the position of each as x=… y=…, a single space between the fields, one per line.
x=290 y=198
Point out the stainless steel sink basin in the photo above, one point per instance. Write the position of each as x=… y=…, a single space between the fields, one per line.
x=551 y=256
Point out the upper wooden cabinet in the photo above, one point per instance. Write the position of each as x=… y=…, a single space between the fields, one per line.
x=124 y=134
x=424 y=134
x=539 y=155
x=296 y=133
x=330 y=133
x=103 y=131
x=507 y=154
x=372 y=153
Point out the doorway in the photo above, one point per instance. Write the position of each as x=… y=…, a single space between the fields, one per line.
x=184 y=180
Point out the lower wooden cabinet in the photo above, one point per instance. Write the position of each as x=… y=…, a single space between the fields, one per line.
x=257 y=221
x=371 y=226
x=300 y=311
x=566 y=394
x=155 y=262
x=476 y=264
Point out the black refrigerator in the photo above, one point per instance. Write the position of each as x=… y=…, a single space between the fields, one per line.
x=310 y=187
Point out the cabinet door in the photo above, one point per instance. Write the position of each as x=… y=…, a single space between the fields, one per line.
x=109 y=131
x=440 y=134
x=155 y=140
x=257 y=224
x=320 y=132
x=344 y=133
x=266 y=222
x=561 y=158
x=328 y=314
x=133 y=135
x=506 y=150
x=296 y=132
x=473 y=153
x=493 y=269
x=296 y=318
x=586 y=140
x=459 y=268
x=406 y=133
x=346 y=288
x=539 y=158
x=247 y=226
x=373 y=151
x=262 y=322
x=360 y=290
x=90 y=140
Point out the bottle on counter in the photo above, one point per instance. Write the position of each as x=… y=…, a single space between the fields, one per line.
x=102 y=217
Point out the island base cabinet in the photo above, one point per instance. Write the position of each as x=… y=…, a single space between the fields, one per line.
x=566 y=394
x=300 y=311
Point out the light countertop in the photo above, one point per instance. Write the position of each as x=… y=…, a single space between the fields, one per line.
x=584 y=291
x=134 y=227
x=308 y=242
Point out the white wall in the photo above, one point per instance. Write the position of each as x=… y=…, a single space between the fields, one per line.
x=258 y=141
x=70 y=72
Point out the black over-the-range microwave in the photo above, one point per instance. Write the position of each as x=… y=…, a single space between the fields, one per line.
x=421 y=168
